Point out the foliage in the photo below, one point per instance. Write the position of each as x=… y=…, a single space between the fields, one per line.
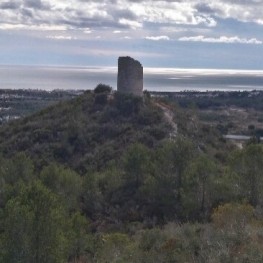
x=216 y=99
x=233 y=215
x=199 y=184
x=64 y=182
x=247 y=166
x=98 y=179
x=102 y=88
x=86 y=132
x=34 y=225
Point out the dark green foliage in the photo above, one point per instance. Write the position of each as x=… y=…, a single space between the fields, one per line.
x=64 y=182
x=127 y=104
x=247 y=167
x=215 y=99
x=162 y=189
x=136 y=163
x=102 y=88
x=89 y=131
x=82 y=241
x=100 y=180
x=13 y=172
x=34 y=223
x=101 y=99
x=199 y=185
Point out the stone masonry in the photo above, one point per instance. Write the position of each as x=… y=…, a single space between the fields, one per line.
x=130 y=76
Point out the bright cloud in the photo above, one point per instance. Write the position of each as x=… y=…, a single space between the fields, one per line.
x=140 y=26
x=133 y=14
x=222 y=39
x=61 y=37
x=119 y=13
x=157 y=38
x=130 y=23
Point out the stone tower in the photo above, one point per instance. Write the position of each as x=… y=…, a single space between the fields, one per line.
x=130 y=76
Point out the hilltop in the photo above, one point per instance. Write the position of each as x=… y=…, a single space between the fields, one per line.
x=86 y=132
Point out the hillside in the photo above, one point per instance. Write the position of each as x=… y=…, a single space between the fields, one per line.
x=98 y=179
x=86 y=132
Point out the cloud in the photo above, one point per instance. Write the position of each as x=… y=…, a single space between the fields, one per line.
x=130 y=23
x=204 y=8
x=157 y=38
x=32 y=27
x=60 y=37
x=222 y=39
x=116 y=15
x=10 y=5
x=118 y=53
x=241 y=10
x=37 y=4
x=87 y=31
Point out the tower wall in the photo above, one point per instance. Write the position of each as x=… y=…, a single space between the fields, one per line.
x=130 y=76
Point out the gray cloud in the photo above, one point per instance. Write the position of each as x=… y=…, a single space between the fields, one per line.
x=27 y=13
x=37 y=5
x=10 y=5
x=116 y=14
x=243 y=2
x=122 y=13
x=205 y=8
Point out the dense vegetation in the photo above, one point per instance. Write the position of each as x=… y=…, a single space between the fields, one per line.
x=215 y=99
x=86 y=132
x=98 y=179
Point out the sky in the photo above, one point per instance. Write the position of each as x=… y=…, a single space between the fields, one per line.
x=219 y=34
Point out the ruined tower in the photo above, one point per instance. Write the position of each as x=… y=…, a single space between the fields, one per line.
x=130 y=76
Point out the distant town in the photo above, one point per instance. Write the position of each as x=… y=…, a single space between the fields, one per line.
x=15 y=104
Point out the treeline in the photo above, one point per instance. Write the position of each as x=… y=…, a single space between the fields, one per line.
x=215 y=99
x=171 y=204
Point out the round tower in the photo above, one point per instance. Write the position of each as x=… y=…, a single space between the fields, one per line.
x=130 y=76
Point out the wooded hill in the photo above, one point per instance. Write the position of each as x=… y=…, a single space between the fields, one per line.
x=86 y=132
x=97 y=179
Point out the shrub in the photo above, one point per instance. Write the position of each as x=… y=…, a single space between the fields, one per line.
x=102 y=88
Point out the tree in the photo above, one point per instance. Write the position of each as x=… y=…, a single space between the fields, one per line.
x=18 y=168
x=13 y=172
x=198 y=187
x=174 y=158
x=34 y=225
x=102 y=88
x=247 y=166
x=63 y=182
x=162 y=189
x=136 y=164
x=82 y=243
x=92 y=196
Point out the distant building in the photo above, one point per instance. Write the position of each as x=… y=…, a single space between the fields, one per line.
x=130 y=76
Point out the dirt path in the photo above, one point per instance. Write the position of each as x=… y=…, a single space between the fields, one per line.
x=169 y=116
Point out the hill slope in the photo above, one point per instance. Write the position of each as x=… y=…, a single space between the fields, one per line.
x=86 y=132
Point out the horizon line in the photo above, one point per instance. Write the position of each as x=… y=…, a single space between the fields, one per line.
x=144 y=67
